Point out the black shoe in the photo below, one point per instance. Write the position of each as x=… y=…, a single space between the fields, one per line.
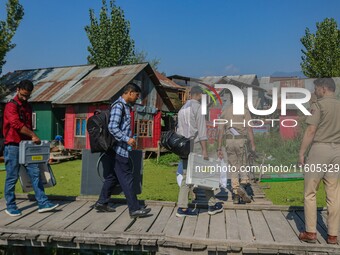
x=217 y=208
x=140 y=213
x=104 y=207
x=187 y=212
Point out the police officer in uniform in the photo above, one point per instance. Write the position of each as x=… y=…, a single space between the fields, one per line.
x=237 y=132
x=323 y=134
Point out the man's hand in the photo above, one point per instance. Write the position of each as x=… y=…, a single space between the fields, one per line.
x=301 y=161
x=36 y=139
x=131 y=142
x=220 y=154
x=205 y=155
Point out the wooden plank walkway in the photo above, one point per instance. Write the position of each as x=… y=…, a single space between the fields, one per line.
x=240 y=229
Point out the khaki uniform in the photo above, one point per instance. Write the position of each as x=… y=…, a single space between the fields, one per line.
x=192 y=124
x=235 y=144
x=324 y=154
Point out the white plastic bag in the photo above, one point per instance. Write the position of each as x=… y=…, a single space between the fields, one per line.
x=223 y=176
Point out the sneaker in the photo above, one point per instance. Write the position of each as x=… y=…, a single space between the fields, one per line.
x=47 y=207
x=243 y=194
x=218 y=207
x=104 y=207
x=13 y=212
x=236 y=199
x=142 y=212
x=188 y=212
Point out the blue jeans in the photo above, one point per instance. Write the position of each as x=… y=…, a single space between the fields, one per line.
x=11 y=156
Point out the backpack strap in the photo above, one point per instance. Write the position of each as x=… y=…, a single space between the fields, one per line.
x=123 y=111
x=22 y=118
x=14 y=102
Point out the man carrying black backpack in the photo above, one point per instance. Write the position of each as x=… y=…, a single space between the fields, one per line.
x=120 y=128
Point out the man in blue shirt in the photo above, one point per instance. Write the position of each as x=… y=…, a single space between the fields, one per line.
x=120 y=128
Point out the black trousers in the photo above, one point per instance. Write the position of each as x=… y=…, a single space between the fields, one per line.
x=117 y=171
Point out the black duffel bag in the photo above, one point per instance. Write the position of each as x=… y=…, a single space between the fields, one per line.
x=176 y=143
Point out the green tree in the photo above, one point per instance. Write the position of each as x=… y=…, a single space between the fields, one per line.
x=15 y=13
x=109 y=37
x=141 y=56
x=321 y=57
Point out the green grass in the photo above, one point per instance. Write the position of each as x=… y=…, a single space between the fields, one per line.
x=159 y=181
x=284 y=152
x=291 y=193
x=67 y=175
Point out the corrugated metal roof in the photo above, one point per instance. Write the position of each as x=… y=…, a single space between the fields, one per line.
x=227 y=80
x=102 y=85
x=269 y=86
x=171 y=89
x=167 y=82
x=211 y=80
x=247 y=78
x=49 y=83
x=181 y=77
x=284 y=78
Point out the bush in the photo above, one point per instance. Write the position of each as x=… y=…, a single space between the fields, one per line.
x=167 y=159
x=283 y=152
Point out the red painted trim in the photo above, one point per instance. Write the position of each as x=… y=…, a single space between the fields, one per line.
x=69 y=127
x=157 y=128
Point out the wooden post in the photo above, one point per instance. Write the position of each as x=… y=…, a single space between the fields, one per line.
x=158 y=150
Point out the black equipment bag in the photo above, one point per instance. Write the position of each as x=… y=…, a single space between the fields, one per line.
x=101 y=140
x=176 y=143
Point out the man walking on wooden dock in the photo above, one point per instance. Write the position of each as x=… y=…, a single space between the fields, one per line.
x=192 y=124
x=237 y=133
x=323 y=135
x=18 y=127
x=120 y=128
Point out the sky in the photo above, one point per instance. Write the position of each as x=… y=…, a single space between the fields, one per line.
x=190 y=37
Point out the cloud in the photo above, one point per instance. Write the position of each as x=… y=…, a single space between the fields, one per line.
x=231 y=70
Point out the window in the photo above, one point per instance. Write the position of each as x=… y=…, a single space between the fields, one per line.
x=143 y=128
x=34 y=121
x=80 y=126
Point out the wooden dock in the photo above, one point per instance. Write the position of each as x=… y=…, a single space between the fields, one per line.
x=257 y=228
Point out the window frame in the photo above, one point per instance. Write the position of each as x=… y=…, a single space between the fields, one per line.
x=141 y=124
x=82 y=128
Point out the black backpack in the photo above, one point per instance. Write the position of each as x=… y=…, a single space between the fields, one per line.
x=101 y=140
